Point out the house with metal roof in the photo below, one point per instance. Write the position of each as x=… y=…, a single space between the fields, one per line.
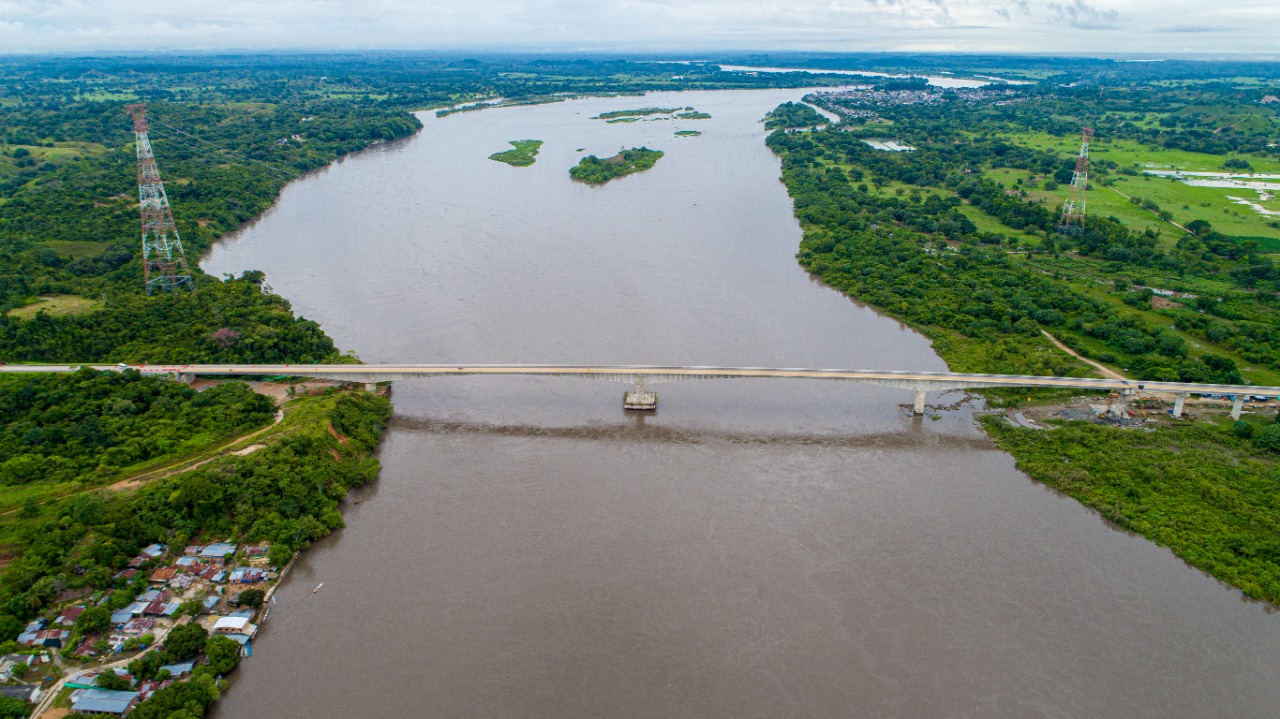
x=180 y=669
x=234 y=625
x=44 y=638
x=248 y=575
x=69 y=616
x=25 y=692
x=217 y=551
x=213 y=574
x=139 y=625
x=103 y=701
x=163 y=575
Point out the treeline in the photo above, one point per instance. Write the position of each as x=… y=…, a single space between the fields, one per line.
x=894 y=252
x=91 y=424
x=220 y=322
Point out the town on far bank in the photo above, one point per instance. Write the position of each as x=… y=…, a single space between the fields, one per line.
x=174 y=617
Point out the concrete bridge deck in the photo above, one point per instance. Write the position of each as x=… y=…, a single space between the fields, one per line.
x=920 y=382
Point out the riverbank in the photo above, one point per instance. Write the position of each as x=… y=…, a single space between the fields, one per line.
x=232 y=503
x=1201 y=488
x=814 y=534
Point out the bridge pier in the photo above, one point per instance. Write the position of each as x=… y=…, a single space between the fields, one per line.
x=919 y=405
x=641 y=398
x=370 y=386
x=1237 y=406
x=1177 y=404
x=1120 y=408
x=185 y=377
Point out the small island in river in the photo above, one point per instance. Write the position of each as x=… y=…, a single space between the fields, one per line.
x=594 y=171
x=687 y=133
x=649 y=113
x=524 y=153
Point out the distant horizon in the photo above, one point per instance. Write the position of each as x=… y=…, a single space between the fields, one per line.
x=1156 y=28
x=709 y=56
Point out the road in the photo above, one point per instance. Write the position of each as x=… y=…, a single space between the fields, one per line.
x=369 y=373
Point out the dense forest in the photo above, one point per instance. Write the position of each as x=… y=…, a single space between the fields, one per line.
x=87 y=426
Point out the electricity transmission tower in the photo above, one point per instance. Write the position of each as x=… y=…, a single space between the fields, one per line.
x=164 y=266
x=1073 y=210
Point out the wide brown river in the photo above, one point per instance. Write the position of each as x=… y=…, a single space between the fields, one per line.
x=756 y=548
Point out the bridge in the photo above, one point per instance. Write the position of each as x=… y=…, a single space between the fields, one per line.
x=643 y=375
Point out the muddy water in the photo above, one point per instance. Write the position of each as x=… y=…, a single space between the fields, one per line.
x=756 y=548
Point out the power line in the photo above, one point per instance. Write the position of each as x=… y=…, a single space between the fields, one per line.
x=280 y=174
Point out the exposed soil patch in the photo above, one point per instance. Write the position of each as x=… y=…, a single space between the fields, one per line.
x=337 y=436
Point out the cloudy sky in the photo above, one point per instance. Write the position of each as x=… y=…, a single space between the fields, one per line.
x=1157 y=27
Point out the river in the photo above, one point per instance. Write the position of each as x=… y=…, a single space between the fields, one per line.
x=754 y=548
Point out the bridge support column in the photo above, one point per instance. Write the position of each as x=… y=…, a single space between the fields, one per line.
x=1120 y=408
x=185 y=378
x=919 y=406
x=1177 y=404
x=1237 y=406
x=641 y=398
x=370 y=386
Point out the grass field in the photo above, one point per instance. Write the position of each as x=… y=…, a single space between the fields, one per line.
x=58 y=155
x=1129 y=153
x=1183 y=202
x=57 y=306
x=75 y=249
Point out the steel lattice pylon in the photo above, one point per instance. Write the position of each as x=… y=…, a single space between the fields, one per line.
x=1073 y=209
x=164 y=265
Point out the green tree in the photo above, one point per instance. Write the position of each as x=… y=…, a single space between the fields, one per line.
x=1269 y=438
x=93 y=620
x=111 y=680
x=10 y=627
x=223 y=654
x=184 y=642
x=278 y=555
x=191 y=607
x=250 y=598
x=11 y=708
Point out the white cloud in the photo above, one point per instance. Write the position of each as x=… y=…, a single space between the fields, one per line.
x=1096 y=26
x=1082 y=15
